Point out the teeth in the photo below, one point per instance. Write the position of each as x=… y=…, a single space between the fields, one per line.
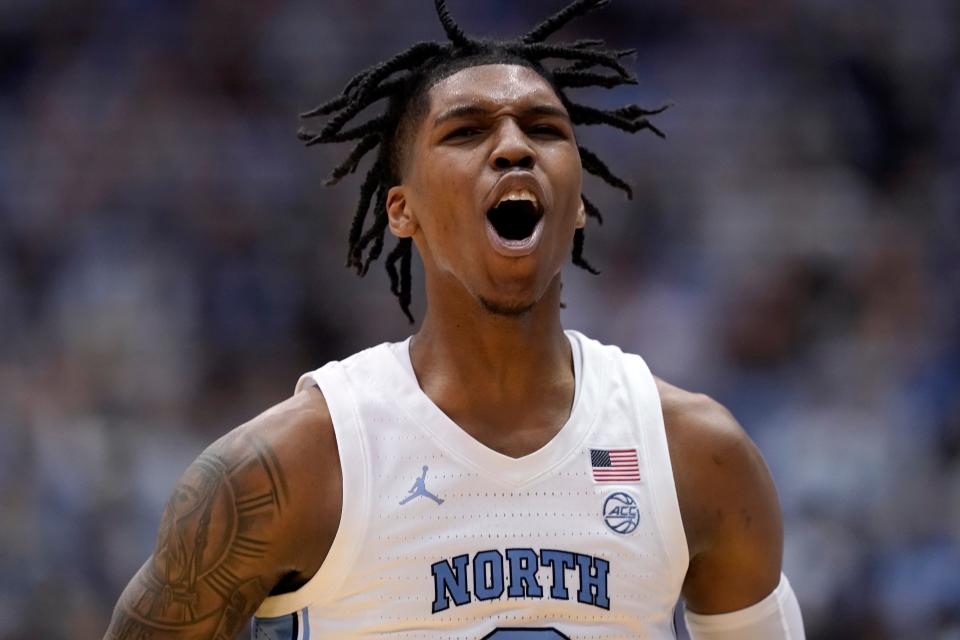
x=519 y=194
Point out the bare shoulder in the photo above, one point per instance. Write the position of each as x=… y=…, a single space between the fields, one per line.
x=254 y=514
x=728 y=502
x=697 y=416
x=295 y=435
x=705 y=440
x=293 y=448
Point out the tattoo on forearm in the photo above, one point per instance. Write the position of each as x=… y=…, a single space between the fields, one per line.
x=203 y=574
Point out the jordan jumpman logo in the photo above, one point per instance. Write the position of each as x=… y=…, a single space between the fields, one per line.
x=419 y=489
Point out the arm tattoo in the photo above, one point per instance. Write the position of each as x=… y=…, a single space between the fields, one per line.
x=203 y=580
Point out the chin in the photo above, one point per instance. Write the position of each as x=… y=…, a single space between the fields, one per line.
x=507 y=308
x=517 y=294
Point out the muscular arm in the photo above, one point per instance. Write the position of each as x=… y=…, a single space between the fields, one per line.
x=242 y=520
x=728 y=502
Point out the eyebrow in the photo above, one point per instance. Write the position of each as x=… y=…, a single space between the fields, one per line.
x=467 y=110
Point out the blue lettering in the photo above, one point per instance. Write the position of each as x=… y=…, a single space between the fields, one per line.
x=559 y=561
x=593 y=581
x=523 y=574
x=488 y=564
x=451 y=578
x=447 y=579
x=516 y=633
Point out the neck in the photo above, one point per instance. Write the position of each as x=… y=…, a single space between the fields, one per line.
x=461 y=345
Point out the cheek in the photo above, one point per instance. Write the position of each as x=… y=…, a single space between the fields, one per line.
x=444 y=204
x=453 y=168
x=448 y=191
x=567 y=158
x=564 y=166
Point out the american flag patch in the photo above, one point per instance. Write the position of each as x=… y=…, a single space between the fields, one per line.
x=615 y=465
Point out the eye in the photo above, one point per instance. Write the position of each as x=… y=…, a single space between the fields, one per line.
x=548 y=131
x=462 y=132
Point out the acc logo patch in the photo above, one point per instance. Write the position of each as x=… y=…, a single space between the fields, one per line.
x=620 y=512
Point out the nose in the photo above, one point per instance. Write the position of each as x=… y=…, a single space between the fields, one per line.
x=512 y=149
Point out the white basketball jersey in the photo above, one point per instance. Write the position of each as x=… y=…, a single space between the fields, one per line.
x=442 y=537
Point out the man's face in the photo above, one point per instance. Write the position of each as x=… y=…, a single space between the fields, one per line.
x=491 y=186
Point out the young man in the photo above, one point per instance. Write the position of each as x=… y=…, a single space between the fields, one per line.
x=493 y=476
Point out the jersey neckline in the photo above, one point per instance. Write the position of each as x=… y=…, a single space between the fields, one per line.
x=588 y=380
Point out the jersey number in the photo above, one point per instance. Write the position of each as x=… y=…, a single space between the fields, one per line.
x=519 y=633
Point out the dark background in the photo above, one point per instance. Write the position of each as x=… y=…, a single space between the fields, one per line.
x=170 y=263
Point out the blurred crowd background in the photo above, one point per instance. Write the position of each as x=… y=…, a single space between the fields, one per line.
x=170 y=263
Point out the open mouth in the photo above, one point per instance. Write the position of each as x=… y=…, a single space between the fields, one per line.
x=516 y=216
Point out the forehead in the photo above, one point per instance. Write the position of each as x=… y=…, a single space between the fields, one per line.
x=492 y=86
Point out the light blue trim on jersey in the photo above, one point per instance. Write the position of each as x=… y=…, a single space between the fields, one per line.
x=279 y=628
x=304 y=624
x=292 y=626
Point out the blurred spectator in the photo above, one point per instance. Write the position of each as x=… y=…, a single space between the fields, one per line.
x=170 y=263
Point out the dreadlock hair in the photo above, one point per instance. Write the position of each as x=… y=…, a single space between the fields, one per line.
x=404 y=81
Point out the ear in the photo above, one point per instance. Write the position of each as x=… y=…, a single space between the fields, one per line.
x=581 y=215
x=403 y=222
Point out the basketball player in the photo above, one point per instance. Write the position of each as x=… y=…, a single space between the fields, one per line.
x=493 y=476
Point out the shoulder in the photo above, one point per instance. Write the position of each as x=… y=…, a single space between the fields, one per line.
x=283 y=469
x=253 y=515
x=700 y=430
x=716 y=465
x=298 y=427
x=728 y=502
x=292 y=435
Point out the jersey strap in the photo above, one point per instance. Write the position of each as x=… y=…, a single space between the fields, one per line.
x=663 y=491
x=332 y=382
